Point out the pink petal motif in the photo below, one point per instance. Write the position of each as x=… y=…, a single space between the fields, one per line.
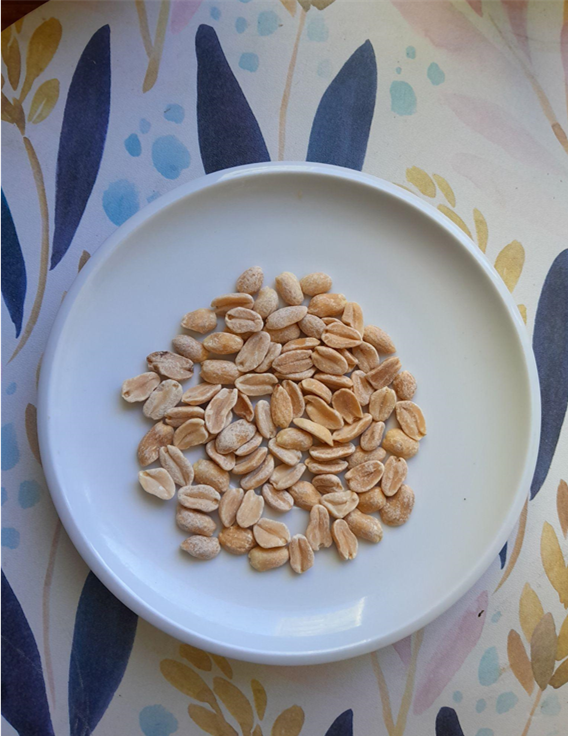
x=182 y=12
x=404 y=649
x=497 y=125
x=476 y=5
x=517 y=13
x=451 y=654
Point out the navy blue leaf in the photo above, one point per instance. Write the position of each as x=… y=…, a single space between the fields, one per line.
x=340 y=131
x=82 y=139
x=14 y=279
x=102 y=642
x=550 y=345
x=447 y=723
x=24 y=702
x=503 y=555
x=342 y=726
x=229 y=134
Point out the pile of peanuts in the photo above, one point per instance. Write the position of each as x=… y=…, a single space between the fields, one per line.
x=317 y=442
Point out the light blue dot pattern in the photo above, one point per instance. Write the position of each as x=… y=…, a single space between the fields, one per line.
x=325 y=69
x=398 y=70
x=144 y=125
x=10 y=451
x=11 y=388
x=133 y=145
x=10 y=537
x=489 y=670
x=481 y=705
x=249 y=62
x=241 y=24
x=120 y=201
x=152 y=197
x=174 y=113
x=435 y=74
x=317 y=29
x=4 y=495
x=410 y=52
x=215 y=13
x=29 y=494
x=155 y=720
x=169 y=156
x=267 y=23
x=485 y=732
x=550 y=706
x=457 y=697
x=505 y=702
x=496 y=616
x=403 y=98
x=245 y=1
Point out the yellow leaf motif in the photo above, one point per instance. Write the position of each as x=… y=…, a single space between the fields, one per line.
x=85 y=255
x=289 y=722
x=290 y=6
x=481 y=230
x=260 y=699
x=421 y=180
x=44 y=101
x=553 y=562
x=236 y=703
x=188 y=682
x=560 y=677
x=321 y=4
x=8 y=110
x=445 y=188
x=18 y=25
x=543 y=650
x=523 y=310
x=12 y=59
x=257 y=731
x=223 y=665
x=562 y=505
x=197 y=657
x=509 y=263
x=530 y=611
x=519 y=661
x=41 y=49
x=562 y=646
x=455 y=218
x=210 y=722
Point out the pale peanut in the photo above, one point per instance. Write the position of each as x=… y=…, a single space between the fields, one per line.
x=285 y=334
x=207 y=472
x=394 y=475
x=284 y=476
x=170 y=365
x=259 y=476
x=305 y=495
x=249 y=446
x=278 y=500
x=140 y=387
x=236 y=541
x=361 y=387
x=263 y=419
x=288 y=286
x=281 y=407
x=334 y=382
x=178 y=466
x=201 y=394
x=256 y=384
x=379 y=339
x=317 y=430
x=322 y=413
x=372 y=436
x=200 y=320
x=296 y=397
x=285 y=317
x=243 y=407
x=190 y=434
x=350 y=431
x=229 y=505
x=223 y=343
x=250 y=281
x=318 y=532
x=382 y=403
x=180 y=414
x=225 y=462
x=163 y=398
x=288 y=457
x=327 y=483
x=400 y=444
x=294 y=361
x=317 y=388
x=345 y=402
x=327 y=305
x=341 y=503
x=157 y=482
x=195 y=522
x=366 y=356
x=327 y=454
x=223 y=304
x=234 y=436
x=352 y=361
x=270 y=534
x=338 y=335
x=149 y=448
x=345 y=540
x=312 y=326
x=411 y=419
x=364 y=526
x=331 y=466
x=241 y=320
x=263 y=560
x=360 y=456
x=302 y=343
x=384 y=374
x=353 y=317
x=250 y=510
x=190 y=348
x=365 y=476
x=253 y=352
x=405 y=386
x=250 y=462
x=371 y=501
x=219 y=371
x=199 y=498
x=274 y=350
x=329 y=360
x=219 y=408
x=398 y=508
x=202 y=548
x=315 y=283
x=301 y=554
x=294 y=439
x=266 y=302
x=296 y=376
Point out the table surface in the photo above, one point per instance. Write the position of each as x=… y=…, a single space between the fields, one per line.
x=468 y=102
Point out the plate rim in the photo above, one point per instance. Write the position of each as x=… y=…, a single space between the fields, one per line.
x=121 y=589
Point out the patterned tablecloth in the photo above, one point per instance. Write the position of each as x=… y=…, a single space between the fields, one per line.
x=106 y=106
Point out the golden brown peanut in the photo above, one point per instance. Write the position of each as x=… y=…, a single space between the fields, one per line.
x=190 y=434
x=350 y=431
x=268 y=559
x=367 y=356
x=400 y=444
x=249 y=446
x=296 y=397
x=364 y=526
x=243 y=407
x=223 y=304
x=202 y=548
x=405 y=386
x=317 y=388
x=270 y=534
x=379 y=339
x=223 y=343
x=266 y=302
x=170 y=365
x=382 y=403
x=219 y=371
x=345 y=402
x=394 y=475
x=411 y=419
x=250 y=281
x=361 y=387
x=149 y=448
x=327 y=483
x=195 y=522
x=384 y=374
x=285 y=317
x=157 y=482
x=178 y=466
x=288 y=286
x=338 y=335
x=278 y=500
x=360 y=456
x=288 y=457
x=312 y=326
x=207 y=472
x=321 y=433
x=327 y=305
x=180 y=414
x=199 y=498
x=285 y=334
x=345 y=540
x=219 y=409
x=322 y=413
x=253 y=353
x=163 y=398
x=334 y=382
x=332 y=466
x=259 y=476
x=242 y=320
x=353 y=317
x=301 y=554
x=372 y=436
x=318 y=532
x=284 y=476
x=294 y=439
x=256 y=384
x=229 y=505
x=315 y=283
x=200 y=394
x=281 y=407
x=200 y=320
x=190 y=348
x=236 y=541
x=234 y=436
x=140 y=387
x=225 y=462
x=250 y=510
x=305 y=495
x=398 y=508
x=327 y=454
x=274 y=350
x=250 y=462
x=371 y=501
x=340 y=504
x=363 y=477
x=329 y=360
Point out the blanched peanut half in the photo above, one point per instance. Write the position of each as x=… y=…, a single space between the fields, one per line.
x=301 y=554
x=274 y=350
x=243 y=407
x=345 y=540
x=328 y=483
x=331 y=466
x=285 y=334
x=199 y=498
x=338 y=335
x=398 y=508
x=353 y=317
x=170 y=365
x=371 y=501
x=223 y=343
x=249 y=446
x=256 y=384
x=288 y=457
x=360 y=456
x=222 y=304
x=253 y=352
x=266 y=302
x=340 y=504
x=163 y=398
x=345 y=402
x=180 y=414
x=372 y=436
x=278 y=500
x=327 y=305
x=318 y=532
x=296 y=397
x=305 y=495
x=178 y=466
x=350 y=431
x=218 y=409
x=149 y=448
x=195 y=522
x=233 y=436
x=312 y=386
x=379 y=339
x=157 y=482
x=236 y=541
x=322 y=413
x=294 y=439
x=281 y=407
x=140 y=387
x=202 y=548
x=283 y=477
x=334 y=382
x=384 y=374
x=329 y=454
x=411 y=419
x=367 y=356
x=382 y=403
x=312 y=326
x=361 y=387
x=229 y=505
x=400 y=444
x=269 y=533
x=394 y=475
x=315 y=283
x=302 y=343
x=190 y=434
x=405 y=386
x=200 y=394
x=293 y=362
x=288 y=286
x=250 y=462
x=226 y=462
x=218 y=371
x=200 y=320
x=250 y=281
x=259 y=476
x=321 y=433
x=263 y=419
x=364 y=526
x=363 y=477
x=190 y=348
x=349 y=357
x=285 y=317
x=329 y=360
x=296 y=376
x=208 y=473
x=268 y=559
x=250 y=510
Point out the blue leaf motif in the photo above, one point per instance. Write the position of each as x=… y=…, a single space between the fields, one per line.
x=342 y=726
x=24 y=701
x=550 y=345
x=447 y=723
x=82 y=139
x=14 y=279
x=503 y=555
x=229 y=134
x=340 y=131
x=102 y=642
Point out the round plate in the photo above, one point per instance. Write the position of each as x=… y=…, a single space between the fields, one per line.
x=416 y=275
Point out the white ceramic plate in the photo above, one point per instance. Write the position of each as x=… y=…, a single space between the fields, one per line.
x=415 y=274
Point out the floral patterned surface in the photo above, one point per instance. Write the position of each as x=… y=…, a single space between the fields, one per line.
x=106 y=106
